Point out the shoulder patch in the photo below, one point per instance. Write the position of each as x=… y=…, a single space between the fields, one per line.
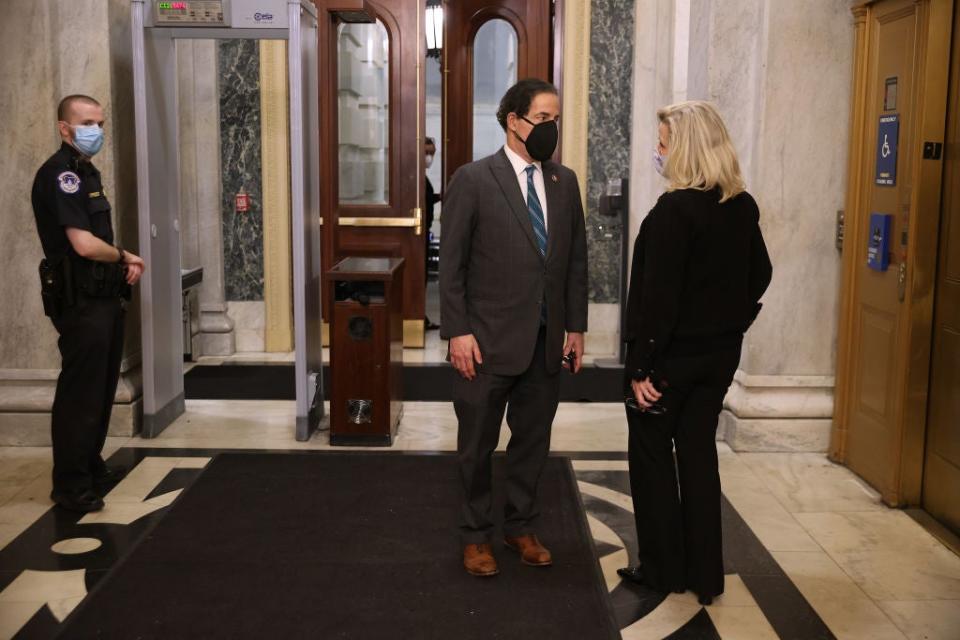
x=69 y=182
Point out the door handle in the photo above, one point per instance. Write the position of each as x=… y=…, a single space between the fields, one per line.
x=415 y=221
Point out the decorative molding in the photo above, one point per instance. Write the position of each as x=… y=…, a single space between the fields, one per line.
x=856 y=169
x=26 y=398
x=275 y=150
x=778 y=412
x=783 y=396
x=811 y=435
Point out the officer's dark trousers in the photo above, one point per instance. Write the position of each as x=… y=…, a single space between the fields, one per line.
x=678 y=526
x=91 y=345
x=479 y=404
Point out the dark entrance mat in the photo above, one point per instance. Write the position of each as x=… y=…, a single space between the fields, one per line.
x=346 y=546
x=421 y=382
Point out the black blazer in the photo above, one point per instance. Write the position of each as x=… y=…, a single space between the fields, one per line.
x=699 y=269
x=493 y=279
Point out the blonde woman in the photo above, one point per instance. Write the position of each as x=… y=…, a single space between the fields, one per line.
x=699 y=268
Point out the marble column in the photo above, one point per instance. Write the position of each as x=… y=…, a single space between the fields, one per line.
x=780 y=74
x=200 y=198
x=797 y=171
x=49 y=50
x=609 y=126
x=652 y=87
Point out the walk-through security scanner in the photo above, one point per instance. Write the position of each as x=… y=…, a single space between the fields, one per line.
x=157 y=26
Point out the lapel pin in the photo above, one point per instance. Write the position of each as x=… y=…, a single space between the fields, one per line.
x=555 y=178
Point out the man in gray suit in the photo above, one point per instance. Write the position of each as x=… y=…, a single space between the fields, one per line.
x=513 y=280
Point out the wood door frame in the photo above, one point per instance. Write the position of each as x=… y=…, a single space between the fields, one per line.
x=406 y=96
x=458 y=53
x=935 y=21
x=330 y=111
x=946 y=527
x=557 y=13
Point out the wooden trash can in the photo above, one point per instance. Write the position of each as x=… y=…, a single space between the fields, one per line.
x=366 y=350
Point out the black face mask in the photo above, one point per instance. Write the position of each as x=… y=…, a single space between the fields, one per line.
x=541 y=142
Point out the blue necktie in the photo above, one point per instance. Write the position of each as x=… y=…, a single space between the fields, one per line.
x=539 y=227
x=536 y=212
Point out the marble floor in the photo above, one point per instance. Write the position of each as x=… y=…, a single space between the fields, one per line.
x=810 y=550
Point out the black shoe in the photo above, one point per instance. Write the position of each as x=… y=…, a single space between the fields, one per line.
x=635 y=575
x=107 y=478
x=632 y=574
x=429 y=326
x=705 y=601
x=84 y=501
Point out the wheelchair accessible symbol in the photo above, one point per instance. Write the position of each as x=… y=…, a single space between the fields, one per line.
x=887 y=134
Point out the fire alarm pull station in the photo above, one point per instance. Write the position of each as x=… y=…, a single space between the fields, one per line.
x=241 y=203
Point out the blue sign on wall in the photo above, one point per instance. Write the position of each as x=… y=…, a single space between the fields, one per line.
x=878 y=241
x=887 y=134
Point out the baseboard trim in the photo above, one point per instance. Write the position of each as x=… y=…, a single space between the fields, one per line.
x=155 y=423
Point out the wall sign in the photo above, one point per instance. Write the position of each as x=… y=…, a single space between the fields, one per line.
x=887 y=134
x=890 y=94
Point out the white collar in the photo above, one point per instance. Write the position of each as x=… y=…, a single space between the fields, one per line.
x=519 y=164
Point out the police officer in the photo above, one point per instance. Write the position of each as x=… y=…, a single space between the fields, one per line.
x=85 y=285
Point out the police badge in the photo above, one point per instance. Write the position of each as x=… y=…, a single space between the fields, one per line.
x=69 y=182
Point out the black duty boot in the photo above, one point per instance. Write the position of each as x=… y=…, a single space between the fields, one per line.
x=82 y=501
x=105 y=479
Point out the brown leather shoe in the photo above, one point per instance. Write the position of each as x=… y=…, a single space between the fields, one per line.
x=478 y=560
x=531 y=551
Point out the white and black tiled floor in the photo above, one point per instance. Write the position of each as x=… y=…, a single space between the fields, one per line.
x=809 y=551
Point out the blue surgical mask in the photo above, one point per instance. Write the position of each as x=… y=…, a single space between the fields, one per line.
x=659 y=161
x=88 y=140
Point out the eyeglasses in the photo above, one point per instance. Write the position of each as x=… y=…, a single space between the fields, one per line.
x=656 y=409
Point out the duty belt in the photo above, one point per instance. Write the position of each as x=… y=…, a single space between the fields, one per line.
x=100 y=279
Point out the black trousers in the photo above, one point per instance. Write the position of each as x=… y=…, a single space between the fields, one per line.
x=531 y=402
x=676 y=501
x=91 y=346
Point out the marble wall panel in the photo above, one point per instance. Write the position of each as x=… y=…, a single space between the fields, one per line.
x=780 y=74
x=29 y=135
x=799 y=179
x=239 y=71
x=47 y=51
x=653 y=87
x=609 y=127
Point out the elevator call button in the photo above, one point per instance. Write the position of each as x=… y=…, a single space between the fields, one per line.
x=190 y=12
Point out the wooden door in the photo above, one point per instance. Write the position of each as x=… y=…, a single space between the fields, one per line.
x=531 y=21
x=941 y=473
x=371 y=141
x=885 y=329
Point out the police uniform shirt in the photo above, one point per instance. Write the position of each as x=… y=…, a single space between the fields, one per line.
x=68 y=192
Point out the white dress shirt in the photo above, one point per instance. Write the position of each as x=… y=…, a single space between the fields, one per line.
x=520 y=169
